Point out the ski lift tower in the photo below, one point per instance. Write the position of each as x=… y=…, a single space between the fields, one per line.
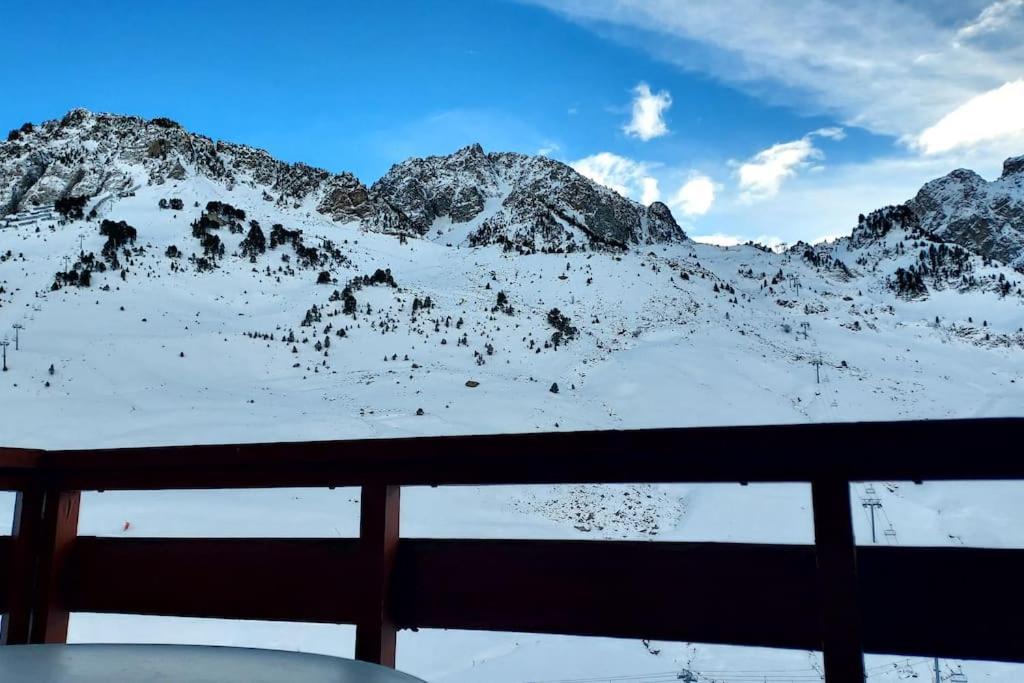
x=17 y=327
x=871 y=501
x=817 y=363
x=4 y=344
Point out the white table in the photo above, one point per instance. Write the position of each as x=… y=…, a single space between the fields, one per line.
x=181 y=664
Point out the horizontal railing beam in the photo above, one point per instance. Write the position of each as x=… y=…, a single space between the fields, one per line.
x=949 y=602
x=930 y=449
x=700 y=592
x=957 y=603
x=311 y=580
x=19 y=468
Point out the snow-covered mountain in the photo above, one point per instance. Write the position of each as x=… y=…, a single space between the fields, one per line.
x=985 y=217
x=173 y=289
x=523 y=203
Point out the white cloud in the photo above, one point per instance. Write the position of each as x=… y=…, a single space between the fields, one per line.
x=633 y=179
x=834 y=133
x=762 y=176
x=993 y=18
x=996 y=114
x=890 y=67
x=649 y=109
x=549 y=148
x=830 y=237
x=695 y=196
x=650 y=191
x=723 y=240
x=812 y=206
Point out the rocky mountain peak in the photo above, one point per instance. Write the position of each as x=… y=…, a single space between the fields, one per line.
x=1014 y=166
x=474 y=150
x=985 y=217
x=523 y=203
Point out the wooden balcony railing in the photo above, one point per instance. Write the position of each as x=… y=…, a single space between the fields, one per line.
x=832 y=596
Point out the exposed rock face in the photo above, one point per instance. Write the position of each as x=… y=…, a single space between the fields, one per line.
x=985 y=217
x=95 y=154
x=524 y=203
x=1014 y=166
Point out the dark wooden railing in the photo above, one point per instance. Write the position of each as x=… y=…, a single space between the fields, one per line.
x=832 y=596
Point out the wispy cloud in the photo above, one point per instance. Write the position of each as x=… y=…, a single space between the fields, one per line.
x=634 y=179
x=649 y=109
x=854 y=59
x=833 y=133
x=549 y=148
x=762 y=176
x=827 y=203
x=723 y=240
x=996 y=17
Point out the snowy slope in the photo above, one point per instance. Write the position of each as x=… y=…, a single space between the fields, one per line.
x=210 y=346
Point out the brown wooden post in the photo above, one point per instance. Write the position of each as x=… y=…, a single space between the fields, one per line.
x=45 y=526
x=22 y=570
x=378 y=539
x=837 y=581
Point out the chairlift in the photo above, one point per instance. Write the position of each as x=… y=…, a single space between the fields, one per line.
x=870 y=490
x=958 y=676
x=906 y=672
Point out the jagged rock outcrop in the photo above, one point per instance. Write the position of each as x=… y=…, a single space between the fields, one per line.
x=524 y=203
x=87 y=154
x=985 y=217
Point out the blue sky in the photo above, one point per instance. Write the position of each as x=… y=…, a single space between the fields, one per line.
x=781 y=119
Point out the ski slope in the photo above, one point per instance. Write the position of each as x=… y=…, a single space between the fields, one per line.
x=671 y=334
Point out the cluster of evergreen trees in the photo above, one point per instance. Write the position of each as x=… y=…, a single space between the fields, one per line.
x=563 y=327
x=909 y=283
x=118 y=234
x=502 y=304
x=173 y=203
x=72 y=208
x=347 y=296
x=255 y=242
x=80 y=274
x=945 y=261
x=225 y=210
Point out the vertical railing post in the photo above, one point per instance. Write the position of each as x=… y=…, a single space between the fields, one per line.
x=837 y=581
x=45 y=526
x=378 y=541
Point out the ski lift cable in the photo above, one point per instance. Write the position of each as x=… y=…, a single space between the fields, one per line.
x=805 y=674
x=741 y=675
